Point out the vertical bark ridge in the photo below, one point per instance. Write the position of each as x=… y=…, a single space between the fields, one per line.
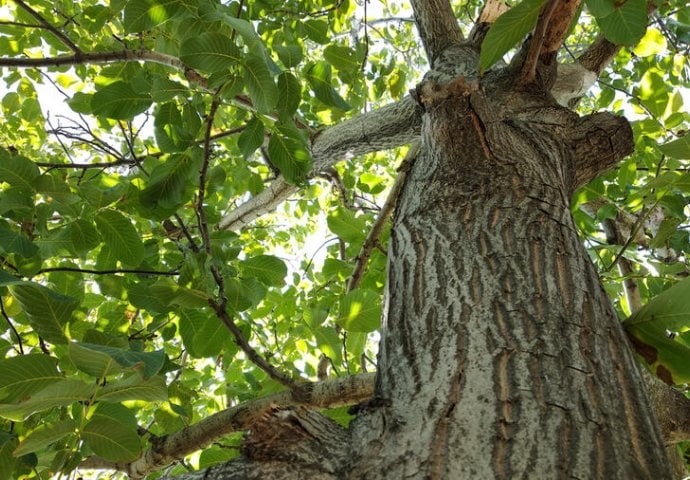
x=497 y=330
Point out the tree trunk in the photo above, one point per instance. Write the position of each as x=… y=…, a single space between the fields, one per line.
x=501 y=356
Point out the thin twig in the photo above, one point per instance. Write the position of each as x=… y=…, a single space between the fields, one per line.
x=201 y=213
x=372 y=239
x=188 y=236
x=168 y=273
x=252 y=354
x=9 y=322
x=529 y=67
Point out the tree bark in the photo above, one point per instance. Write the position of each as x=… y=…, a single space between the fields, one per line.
x=501 y=356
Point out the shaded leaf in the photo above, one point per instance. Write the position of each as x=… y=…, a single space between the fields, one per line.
x=290 y=154
x=262 y=88
x=290 y=55
x=120 y=236
x=252 y=137
x=44 y=436
x=18 y=171
x=60 y=393
x=120 y=101
x=23 y=375
x=13 y=242
x=48 y=312
x=135 y=388
x=209 y=52
x=111 y=440
x=289 y=94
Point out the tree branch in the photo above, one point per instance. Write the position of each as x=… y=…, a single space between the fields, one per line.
x=105 y=57
x=169 y=273
x=437 y=26
x=391 y=126
x=333 y=393
x=598 y=143
x=384 y=214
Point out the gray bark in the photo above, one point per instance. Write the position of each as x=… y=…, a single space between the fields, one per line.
x=501 y=356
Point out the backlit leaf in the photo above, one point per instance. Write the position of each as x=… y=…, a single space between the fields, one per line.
x=266 y=268
x=509 y=29
x=360 y=311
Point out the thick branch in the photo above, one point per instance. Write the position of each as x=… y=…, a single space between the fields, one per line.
x=388 y=127
x=104 y=57
x=328 y=394
x=437 y=26
x=549 y=34
x=598 y=142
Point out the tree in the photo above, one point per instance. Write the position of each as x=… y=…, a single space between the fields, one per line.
x=149 y=309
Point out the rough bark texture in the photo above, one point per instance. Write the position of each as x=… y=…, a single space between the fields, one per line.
x=501 y=355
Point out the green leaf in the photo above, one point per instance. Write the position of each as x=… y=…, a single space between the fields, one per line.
x=121 y=237
x=143 y=15
x=184 y=297
x=60 y=393
x=267 y=269
x=7 y=459
x=135 y=388
x=360 y=311
x=252 y=137
x=244 y=293
x=316 y=30
x=164 y=90
x=83 y=235
x=247 y=32
x=95 y=363
x=168 y=182
x=24 y=375
x=679 y=148
x=48 y=312
x=262 y=88
x=623 y=23
x=120 y=101
x=289 y=153
x=44 y=436
x=18 y=171
x=290 y=55
x=649 y=330
x=209 y=52
x=81 y=103
x=345 y=225
x=111 y=440
x=12 y=242
x=342 y=58
x=101 y=360
x=509 y=29
x=289 y=94
x=319 y=78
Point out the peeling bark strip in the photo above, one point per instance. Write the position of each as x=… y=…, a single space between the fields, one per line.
x=497 y=335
